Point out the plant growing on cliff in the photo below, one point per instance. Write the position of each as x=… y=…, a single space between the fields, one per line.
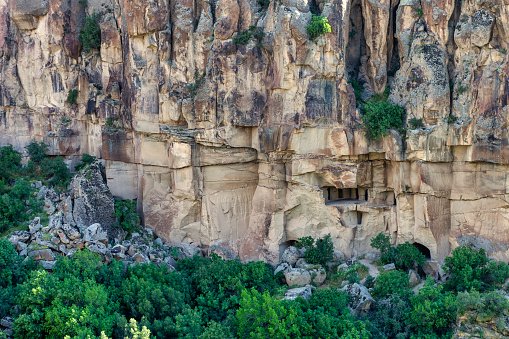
x=86 y=159
x=380 y=117
x=415 y=123
x=127 y=218
x=193 y=87
x=90 y=35
x=320 y=251
x=253 y=32
x=319 y=25
x=72 y=97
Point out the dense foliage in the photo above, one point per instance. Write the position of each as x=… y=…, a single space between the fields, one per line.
x=380 y=117
x=127 y=218
x=52 y=170
x=405 y=256
x=90 y=35
x=471 y=269
x=319 y=25
x=320 y=251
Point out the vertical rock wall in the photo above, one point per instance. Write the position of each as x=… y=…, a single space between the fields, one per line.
x=253 y=146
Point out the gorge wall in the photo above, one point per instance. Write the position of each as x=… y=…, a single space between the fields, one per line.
x=253 y=146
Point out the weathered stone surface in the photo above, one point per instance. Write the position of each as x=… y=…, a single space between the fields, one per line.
x=249 y=146
x=19 y=236
x=361 y=298
x=44 y=254
x=297 y=277
x=291 y=255
x=283 y=267
x=93 y=201
x=389 y=267
x=302 y=292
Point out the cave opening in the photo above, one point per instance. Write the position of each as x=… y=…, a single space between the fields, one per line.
x=423 y=249
x=393 y=58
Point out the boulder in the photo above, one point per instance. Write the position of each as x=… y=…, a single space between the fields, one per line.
x=291 y=255
x=141 y=258
x=93 y=201
x=361 y=298
x=297 y=277
x=302 y=292
x=318 y=275
x=283 y=267
x=223 y=251
x=19 y=236
x=414 y=278
x=301 y=263
x=389 y=267
x=35 y=225
x=189 y=251
x=343 y=267
x=434 y=270
x=71 y=232
x=7 y=322
x=43 y=254
x=338 y=255
x=95 y=233
x=48 y=264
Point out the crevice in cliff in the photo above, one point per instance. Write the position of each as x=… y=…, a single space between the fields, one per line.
x=451 y=49
x=393 y=63
x=356 y=47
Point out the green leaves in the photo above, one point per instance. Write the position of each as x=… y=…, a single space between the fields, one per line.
x=90 y=35
x=319 y=25
x=127 y=218
x=319 y=252
x=380 y=117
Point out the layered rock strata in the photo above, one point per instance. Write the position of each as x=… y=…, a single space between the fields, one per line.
x=250 y=147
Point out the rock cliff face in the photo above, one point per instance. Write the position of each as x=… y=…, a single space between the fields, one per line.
x=253 y=146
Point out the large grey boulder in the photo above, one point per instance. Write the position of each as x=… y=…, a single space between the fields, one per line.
x=297 y=277
x=19 y=236
x=189 y=251
x=294 y=293
x=291 y=255
x=93 y=201
x=361 y=298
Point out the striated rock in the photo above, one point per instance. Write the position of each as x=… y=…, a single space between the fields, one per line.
x=93 y=201
x=252 y=146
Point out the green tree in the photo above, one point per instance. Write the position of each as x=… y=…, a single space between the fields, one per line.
x=319 y=25
x=380 y=117
x=90 y=35
x=392 y=282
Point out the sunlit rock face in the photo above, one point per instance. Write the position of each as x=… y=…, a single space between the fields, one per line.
x=253 y=146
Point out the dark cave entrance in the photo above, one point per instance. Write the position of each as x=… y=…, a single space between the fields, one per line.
x=423 y=249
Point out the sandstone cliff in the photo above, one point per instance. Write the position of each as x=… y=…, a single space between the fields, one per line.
x=252 y=146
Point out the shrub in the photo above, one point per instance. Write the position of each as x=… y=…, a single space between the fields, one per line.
x=90 y=35
x=72 y=97
x=358 y=90
x=37 y=151
x=320 y=251
x=264 y=4
x=415 y=123
x=55 y=171
x=86 y=159
x=380 y=117
x=10 y=162
x=433 y=312
x=319 y=25
x=482 y=307
x=408 y=257
x=392 y=283
x=388 y=319
x=127 y=218
x=253 y=32
x=405 y=256
x=471 y=269
x=15 y=205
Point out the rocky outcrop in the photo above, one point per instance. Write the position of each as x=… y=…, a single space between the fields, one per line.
x=249 y=147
